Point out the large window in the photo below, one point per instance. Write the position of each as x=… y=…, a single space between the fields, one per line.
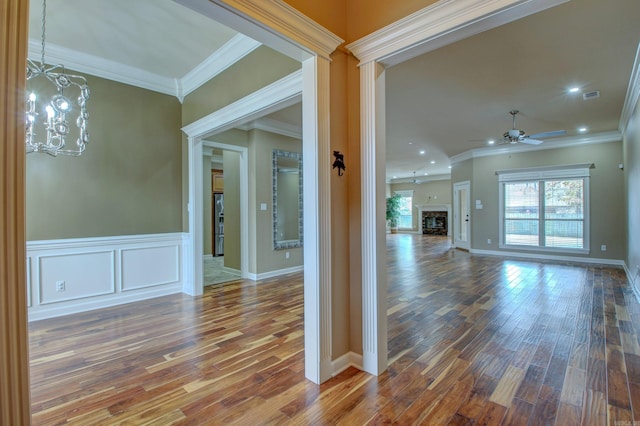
x=406 y=209
x=545 y=209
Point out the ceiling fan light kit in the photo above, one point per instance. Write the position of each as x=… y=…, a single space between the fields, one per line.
x=514 y=135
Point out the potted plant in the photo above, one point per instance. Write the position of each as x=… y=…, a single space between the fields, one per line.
x=393 y=212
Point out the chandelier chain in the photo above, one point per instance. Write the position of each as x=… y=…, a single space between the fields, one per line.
x=44 y=23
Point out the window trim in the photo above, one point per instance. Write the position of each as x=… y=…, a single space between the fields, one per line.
x=541 y=174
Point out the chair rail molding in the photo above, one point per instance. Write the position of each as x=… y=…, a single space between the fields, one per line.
x=81 y=274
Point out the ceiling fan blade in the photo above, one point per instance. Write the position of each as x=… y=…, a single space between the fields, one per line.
x=530 y=141
x=552 y=134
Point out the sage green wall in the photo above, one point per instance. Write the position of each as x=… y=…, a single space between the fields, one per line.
x=258 y=69
x=632 y=191
x=433 y=192
x=232 y=242
x=261 y=146
x=608 y=216
x=129 y=179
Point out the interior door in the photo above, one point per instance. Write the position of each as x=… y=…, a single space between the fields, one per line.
x=462 y=215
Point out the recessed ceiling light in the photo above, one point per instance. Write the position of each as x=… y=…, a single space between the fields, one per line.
x=422 y=152
x=582 y=129
x=395 y=177
x=491 y=141
x=433 y=162
x=410 y=143
x=426 y=174
x=574 y=89
x=449 y=166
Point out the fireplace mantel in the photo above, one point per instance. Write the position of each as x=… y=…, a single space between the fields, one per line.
x=436 y=208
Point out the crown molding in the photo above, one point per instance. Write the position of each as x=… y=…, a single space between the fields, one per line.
x=578 y=140
x=633 y=94
x=103 y=68
x=421 y=179
x=440 y=24
x=231 y=52
x=272 y=22
x=274 y=126
x=283 y=93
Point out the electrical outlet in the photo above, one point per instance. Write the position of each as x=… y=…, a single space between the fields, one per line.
x=60 y=286
x=603 y=247
x=488 y=240
x=287 y=255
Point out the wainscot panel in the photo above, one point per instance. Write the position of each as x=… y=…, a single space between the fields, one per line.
x=76 y=275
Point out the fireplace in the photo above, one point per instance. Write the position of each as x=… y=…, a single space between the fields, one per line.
x=435 y=219
x=434 y=223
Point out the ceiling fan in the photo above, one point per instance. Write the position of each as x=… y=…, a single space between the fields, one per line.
x=514 y=135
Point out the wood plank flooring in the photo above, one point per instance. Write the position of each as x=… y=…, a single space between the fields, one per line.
x=472 y=340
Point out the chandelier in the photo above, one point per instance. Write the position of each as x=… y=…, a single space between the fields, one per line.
x=50 y=110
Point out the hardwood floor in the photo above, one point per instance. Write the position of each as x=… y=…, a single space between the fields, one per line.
x=472 y=340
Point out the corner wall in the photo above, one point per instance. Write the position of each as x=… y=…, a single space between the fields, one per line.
x=632 y=191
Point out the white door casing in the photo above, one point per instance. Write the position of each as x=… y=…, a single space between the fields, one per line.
x=284 y=29
x=462 y=215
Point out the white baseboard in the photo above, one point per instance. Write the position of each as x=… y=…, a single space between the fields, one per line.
x=539 y=256
x=76 y=275
x=276 y=273
x=633 y=281
x=232 y=271
x=350 y=359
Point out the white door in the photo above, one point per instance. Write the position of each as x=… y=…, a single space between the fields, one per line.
x=462 y=215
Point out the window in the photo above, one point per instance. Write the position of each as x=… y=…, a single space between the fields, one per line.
x=406 y=209
x=545 y=209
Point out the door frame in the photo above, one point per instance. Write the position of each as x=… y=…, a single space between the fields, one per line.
x=457 y=187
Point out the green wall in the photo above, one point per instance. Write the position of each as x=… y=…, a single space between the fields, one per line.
x=258 y=69
x=607 y=198
x=265 y=258
x=232 y=243
x=128 y=181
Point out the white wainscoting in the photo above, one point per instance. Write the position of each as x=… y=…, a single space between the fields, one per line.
x=76 y=275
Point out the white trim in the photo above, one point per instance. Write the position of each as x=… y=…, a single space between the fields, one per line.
x=232 y=271
x=231 y=52
x=350 y=359
x=372 y=160
x=435 y=208
x=540 y=256
x=274 y=126
x=276 y=273
x=633 y=93
x=280 y=94
x=545 y=172
x=227 y=55
x=440 y=24
x=571 y=141
x=632 y=281
x=273 y=22
x=69 y=256
x=435 y=26
x=539 y=174
x=103 y=68
x=282 y=28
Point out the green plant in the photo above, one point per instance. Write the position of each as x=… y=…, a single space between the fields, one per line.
x=393 y=210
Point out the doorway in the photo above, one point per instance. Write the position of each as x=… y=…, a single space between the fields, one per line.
x=462 y=215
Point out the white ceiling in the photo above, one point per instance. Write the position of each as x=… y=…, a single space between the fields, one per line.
x=445 y=102
x=158 y=36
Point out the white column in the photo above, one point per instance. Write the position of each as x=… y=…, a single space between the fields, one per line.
x=316 y=158
x=193 y=255
x=374 y=285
